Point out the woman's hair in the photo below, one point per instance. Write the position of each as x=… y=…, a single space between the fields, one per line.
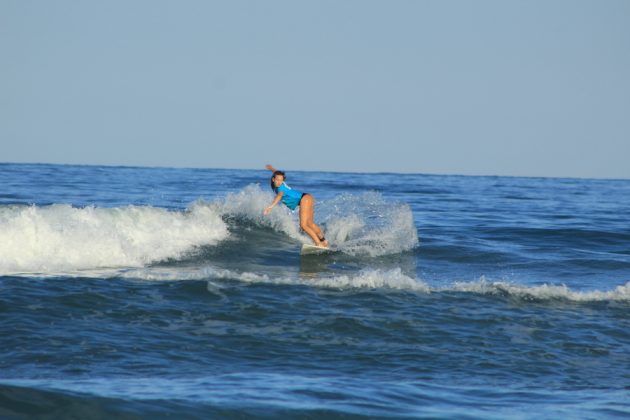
x=272 y=176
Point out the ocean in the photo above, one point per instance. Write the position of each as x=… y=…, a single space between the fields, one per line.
x=135 y=293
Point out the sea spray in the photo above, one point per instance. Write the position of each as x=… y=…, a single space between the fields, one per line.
x=362 y=224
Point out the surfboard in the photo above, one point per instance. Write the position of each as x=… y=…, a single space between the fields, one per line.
x=308 y=249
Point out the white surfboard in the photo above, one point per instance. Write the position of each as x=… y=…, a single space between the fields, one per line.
x=308 y=249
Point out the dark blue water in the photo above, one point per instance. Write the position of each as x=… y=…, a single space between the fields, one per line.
x=154 y=293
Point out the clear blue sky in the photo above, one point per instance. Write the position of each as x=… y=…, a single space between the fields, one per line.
x=539 y=88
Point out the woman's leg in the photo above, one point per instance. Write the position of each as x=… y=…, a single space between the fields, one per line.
x=318 y=231
x=307 y=209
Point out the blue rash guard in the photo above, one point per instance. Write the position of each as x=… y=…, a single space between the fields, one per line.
x=290 y=197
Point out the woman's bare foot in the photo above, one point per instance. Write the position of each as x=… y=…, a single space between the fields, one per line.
x=323 y=244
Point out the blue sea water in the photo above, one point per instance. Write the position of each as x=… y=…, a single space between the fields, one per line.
x=156 y=292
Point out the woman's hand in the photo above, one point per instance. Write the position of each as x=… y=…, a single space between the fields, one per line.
x=272 y=205
x=271 y=168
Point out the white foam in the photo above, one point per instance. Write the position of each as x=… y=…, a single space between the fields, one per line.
x=373 y=279
x=540 y=292
x=62 y=238
x=365 y=279
x=388 y=279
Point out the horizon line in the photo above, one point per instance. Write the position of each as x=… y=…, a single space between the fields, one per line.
x=374 y=172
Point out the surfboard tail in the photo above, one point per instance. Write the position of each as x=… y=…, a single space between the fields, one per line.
x=313 y=249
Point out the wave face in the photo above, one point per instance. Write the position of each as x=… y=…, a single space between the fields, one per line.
x=161 y=292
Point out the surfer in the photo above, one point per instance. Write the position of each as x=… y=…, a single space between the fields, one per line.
x=292 y=199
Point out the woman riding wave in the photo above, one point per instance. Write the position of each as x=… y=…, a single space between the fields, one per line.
x=292 y=199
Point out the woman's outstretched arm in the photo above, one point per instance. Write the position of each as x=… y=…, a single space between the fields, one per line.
x=276 y=201
x=271 y=168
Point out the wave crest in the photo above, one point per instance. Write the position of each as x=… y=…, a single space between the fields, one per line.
x=60 y=237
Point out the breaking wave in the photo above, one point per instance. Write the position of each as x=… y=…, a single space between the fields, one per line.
x=60 y=238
